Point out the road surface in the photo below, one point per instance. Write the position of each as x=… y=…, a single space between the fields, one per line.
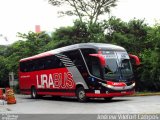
x=119 y=105
x=48 y=108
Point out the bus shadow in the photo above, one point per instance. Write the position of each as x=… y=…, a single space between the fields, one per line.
x=104 y=101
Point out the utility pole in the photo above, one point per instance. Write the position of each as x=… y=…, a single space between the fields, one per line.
x=11 y=79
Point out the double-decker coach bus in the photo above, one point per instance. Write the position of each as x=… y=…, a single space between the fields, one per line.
x=86 y=70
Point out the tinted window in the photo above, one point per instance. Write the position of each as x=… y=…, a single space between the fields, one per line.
x=49 y=62
x=76 y=59
x=94 y=67
x=92 y=62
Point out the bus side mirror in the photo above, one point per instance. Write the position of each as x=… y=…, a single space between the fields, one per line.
x=100 y=57
x=134 y=60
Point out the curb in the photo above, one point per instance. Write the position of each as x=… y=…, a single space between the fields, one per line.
x=145 y=94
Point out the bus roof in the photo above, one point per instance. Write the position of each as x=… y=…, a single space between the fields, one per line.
x=96 y=46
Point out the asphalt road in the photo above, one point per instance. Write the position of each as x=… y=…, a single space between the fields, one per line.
x=48 y=105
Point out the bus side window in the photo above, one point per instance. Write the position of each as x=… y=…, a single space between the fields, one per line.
x=23 y=67
x=58 y=63
x=40 y=64
x=49 y=62
x=76 y=58
x=52 y=62
x=92 y=62
x=28 y=66
x=95 y=67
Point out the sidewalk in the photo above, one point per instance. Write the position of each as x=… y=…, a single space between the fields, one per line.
x=146 y=94
x=3 y=106
x=3 y=109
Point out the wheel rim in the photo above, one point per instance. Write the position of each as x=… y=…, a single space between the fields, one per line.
x=81 y=95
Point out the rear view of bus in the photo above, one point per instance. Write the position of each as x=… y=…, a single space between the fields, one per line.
x=87 y=70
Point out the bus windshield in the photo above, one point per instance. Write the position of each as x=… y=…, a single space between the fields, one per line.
x=117 y=66
x=126 y=68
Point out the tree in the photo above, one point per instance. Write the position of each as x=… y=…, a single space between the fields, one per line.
x=31 y=44
x=91 y=9
x=153 y=59
x=133 y=33
x=3 y=72
x=79 y=33
x=34 y=41
x=2 y=49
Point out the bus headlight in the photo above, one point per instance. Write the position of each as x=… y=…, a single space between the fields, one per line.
x=118 y=87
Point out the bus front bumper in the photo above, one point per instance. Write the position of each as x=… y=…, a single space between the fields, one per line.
x=97 y=94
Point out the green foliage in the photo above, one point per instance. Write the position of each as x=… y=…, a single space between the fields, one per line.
x=2 y=49
x=10 y=55
x=153 y=60
x=142 y=40
x=79 y=33
x=133 y=33
x=3 y=72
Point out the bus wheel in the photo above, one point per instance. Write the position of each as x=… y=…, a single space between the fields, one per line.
x=81 y=95
x=108 y=99
x=33 y=93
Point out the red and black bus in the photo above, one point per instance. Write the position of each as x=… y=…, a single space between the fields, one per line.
x=86 y=70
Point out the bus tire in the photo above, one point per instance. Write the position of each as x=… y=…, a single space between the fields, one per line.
x=34 y=93
x=81 y=95
x=108 y=99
